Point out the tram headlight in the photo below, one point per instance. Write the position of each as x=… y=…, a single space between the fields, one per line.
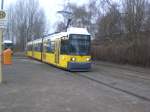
x=73 y=59
x=88 y=59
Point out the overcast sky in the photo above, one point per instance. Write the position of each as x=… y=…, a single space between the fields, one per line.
x=50 y=7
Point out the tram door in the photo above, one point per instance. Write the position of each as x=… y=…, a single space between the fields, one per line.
x=57 y=51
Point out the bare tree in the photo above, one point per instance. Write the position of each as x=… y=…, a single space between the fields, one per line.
x=147 y=17
x=60 y=26
x=94 y=13
x=135 y=10
x=9 y=30
x=29 y=21
x=109 y=23
x=80 y=16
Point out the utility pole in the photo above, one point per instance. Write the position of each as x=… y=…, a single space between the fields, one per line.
x=2 y=15
x=2 y=4
x=68 y=16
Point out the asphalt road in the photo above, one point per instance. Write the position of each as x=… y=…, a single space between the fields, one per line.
x=32 y=86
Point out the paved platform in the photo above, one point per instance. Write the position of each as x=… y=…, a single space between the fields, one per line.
x=32 y=86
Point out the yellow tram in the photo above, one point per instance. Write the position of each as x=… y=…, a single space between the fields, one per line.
x=68 y=50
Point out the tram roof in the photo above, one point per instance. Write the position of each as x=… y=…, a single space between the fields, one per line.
x=71 y=30
x=75 y=30
x=57 y=35
x=37 y=40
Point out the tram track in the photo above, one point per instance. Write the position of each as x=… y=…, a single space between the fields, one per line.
x=121 y=66
x=83 y=75
x=127 y=74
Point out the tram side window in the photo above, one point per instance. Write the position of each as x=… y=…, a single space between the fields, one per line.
x=64 y=46
x=37 y=47
x=29 y=47
x=34 y=47
x=50 y=46
x=44 y=47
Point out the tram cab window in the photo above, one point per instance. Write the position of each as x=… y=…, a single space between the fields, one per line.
x=79 y=44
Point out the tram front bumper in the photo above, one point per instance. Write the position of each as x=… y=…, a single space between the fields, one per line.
x=79 y=66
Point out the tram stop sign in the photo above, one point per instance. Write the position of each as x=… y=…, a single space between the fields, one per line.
x=3 y=20
x=2 y=14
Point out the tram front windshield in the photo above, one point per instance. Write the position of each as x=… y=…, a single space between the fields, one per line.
x=79 y=44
